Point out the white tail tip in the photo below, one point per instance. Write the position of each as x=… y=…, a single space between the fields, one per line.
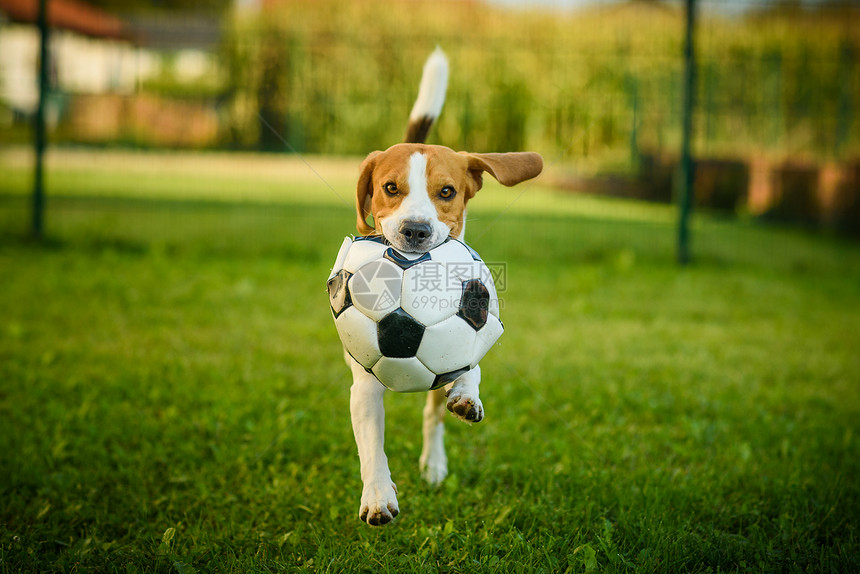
x=434 y=83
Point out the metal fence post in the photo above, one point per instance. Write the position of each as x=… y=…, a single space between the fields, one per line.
x=847 y=71
x=39 y=128
x=685 y=183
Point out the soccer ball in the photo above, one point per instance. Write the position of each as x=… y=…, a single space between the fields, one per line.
x=416 y=321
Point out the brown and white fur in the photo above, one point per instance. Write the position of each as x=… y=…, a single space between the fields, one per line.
x=417 y=196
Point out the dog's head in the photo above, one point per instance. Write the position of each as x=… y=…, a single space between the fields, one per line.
x=417 y=194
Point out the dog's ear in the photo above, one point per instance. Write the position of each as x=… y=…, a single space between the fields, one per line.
x=364 y=193
x=508 y=168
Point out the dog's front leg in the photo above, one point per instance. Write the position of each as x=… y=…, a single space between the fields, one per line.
x=379 y=494
x=464 y=400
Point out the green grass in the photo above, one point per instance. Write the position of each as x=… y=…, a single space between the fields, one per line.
x=172 y=394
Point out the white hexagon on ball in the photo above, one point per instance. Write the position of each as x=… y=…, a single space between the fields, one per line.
x=452 y=252
x=430 y=293
x=375 y=288
x=341 y=256
x=486 y=338
x=404 y=375
x=358 y=335
x=361 y=252
x=447 y=346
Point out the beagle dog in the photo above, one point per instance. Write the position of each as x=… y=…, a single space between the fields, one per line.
x=417 y=196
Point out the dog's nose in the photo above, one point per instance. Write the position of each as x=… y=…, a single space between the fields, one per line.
x=415 y=232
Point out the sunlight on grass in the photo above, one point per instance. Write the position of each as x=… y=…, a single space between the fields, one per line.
x=288 y=179
x=220 y=177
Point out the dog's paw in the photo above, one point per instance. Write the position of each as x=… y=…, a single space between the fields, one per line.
x=434 y=468
x=464 y=407
x=379 y=503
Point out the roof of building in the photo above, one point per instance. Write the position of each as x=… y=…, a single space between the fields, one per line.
x=71 y=15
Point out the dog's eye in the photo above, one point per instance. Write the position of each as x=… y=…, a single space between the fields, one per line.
x=390 y=188
x=447 y=192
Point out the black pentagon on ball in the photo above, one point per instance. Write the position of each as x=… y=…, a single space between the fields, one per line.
x=399 y=334
x=445 y=378
x=374 y=238
x=401 y=261
x=474 y=304
x=338 y=294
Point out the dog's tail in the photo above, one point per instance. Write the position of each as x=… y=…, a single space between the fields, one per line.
x=431 y=97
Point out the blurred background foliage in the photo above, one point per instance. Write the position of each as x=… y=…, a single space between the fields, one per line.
x=602 y=83
x=593 y=86
x=597 y=90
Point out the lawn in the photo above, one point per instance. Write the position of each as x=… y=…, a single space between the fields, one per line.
x=173 y=398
